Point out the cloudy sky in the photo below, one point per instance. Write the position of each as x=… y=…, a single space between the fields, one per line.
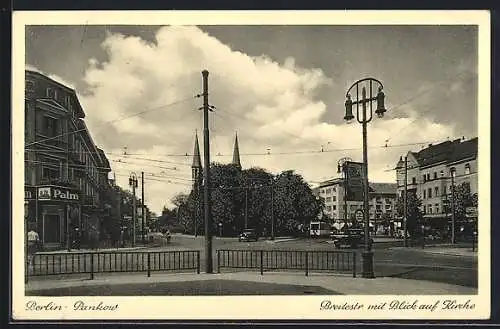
x=281 y=88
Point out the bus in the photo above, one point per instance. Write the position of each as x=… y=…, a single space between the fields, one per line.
x=320 y=229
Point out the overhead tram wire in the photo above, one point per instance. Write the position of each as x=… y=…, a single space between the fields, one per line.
x=420 y=115
x=105 y=168
x=393 y=108
x=117 y=119
x=142 y=165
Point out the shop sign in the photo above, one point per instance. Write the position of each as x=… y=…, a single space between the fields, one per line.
x=29 y=193
x=57 y=193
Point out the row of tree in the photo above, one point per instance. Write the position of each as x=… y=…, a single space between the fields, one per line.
x=249 y=198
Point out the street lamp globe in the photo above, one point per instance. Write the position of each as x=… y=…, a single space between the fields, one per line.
x=380 y=103
x=348 y=109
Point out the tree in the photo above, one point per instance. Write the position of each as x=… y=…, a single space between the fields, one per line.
x=415 y=218
x=463 y=199
x=293 y=201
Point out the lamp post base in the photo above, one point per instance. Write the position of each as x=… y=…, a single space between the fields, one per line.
x=367 y=265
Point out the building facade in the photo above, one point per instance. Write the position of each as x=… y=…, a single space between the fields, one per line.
x=429 y=177
x=66 y=174
x=382 y=201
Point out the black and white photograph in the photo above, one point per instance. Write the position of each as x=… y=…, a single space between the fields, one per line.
x=336 y=164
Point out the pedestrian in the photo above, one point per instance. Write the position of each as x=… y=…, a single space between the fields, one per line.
x=77 y=238
x=33 y=245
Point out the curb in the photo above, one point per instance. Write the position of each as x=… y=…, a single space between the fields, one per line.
x=90 y=250
x=281 y=240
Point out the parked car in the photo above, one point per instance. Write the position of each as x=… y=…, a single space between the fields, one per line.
x=353 y=238
x=248 y=235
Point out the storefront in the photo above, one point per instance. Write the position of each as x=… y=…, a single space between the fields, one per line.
x=53 y=211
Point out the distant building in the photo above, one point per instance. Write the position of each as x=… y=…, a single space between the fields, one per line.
x=66 y=174
x=429 y=175
x=382 y=200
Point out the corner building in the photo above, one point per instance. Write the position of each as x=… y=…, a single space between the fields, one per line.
x=66 y=174
x=429 y=177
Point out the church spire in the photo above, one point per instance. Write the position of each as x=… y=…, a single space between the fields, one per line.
x=236 y=153
x=196 y=166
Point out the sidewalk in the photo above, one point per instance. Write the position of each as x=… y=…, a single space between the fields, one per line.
x=341 y=284
x=65 y=251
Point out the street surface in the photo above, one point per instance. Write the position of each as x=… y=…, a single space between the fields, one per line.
x=410 y=263
x=389 y=261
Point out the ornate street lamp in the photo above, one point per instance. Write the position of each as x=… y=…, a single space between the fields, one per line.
x=364 y=119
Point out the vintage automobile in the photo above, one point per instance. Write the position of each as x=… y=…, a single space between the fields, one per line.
x=352 y=237
x=248 y=235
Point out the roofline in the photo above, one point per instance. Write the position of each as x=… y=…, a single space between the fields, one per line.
x=71 y=90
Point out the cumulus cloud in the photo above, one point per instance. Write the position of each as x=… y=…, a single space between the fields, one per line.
x=271 y=105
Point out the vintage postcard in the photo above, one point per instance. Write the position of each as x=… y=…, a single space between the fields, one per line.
x=258 y=165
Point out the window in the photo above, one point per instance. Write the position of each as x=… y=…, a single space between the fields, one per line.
x=322 y=191
x=436 y=208
x=413 y=180
x=429 y=193
x=467 y=169
x=435 y=175
x=452 y=171
x=49 y=173
x=441 y=173
x=334 y=189
x=378 y=207
x=428 y=176
x=423 y=178
x=328 y=208
x=50 y=126
x=334 y=198
x=328 y=199
x=430 y=209
x=424 y=195
x=387 y=207
x=334 y=207
x=436 y=191
x=51 y=93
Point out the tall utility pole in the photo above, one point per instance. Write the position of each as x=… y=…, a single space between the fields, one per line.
x=206 y=176
x=134 y=215
x=452 y=172
x=132 y=181
x=272 y=208
x=246 y=206
x=405 y=201
x=143 y=209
